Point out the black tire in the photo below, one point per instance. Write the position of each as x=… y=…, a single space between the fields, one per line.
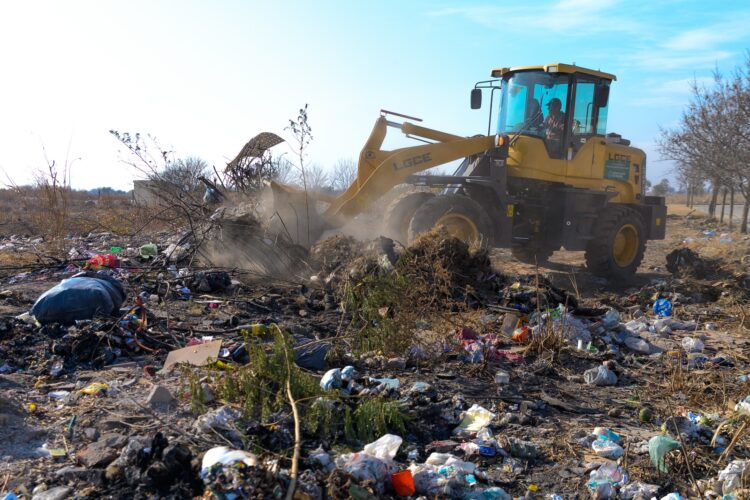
x=398 y=215
x=532 y=255
x=441 y=209
x=602 y=253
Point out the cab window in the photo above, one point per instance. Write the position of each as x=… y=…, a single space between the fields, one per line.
x=535 y=103
x=588 y=118
x=583 y=114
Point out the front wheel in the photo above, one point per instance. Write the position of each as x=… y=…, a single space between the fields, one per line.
x=618 y=243
x=399 y=213
x=459 y=215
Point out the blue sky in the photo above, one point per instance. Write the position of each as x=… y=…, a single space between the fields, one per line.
x=204 y=76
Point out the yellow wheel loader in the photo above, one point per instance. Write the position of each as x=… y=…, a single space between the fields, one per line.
x=551 y=177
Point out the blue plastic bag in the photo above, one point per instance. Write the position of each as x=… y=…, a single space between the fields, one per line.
x=81 y=297
x=663 y=307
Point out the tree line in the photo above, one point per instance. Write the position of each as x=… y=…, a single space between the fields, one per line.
x=711 y=143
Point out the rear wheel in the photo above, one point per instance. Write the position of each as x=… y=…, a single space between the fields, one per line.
x=532 y=255
x=459 y=215
x=618 y=243
x=399 y=213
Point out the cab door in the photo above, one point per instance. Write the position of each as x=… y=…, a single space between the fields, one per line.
x=585 y=141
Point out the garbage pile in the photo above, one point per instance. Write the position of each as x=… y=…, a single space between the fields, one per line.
x=131 y=373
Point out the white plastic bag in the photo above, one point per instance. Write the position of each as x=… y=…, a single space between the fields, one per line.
x=224 y=455
x=384 y=448
x=475 y=419
x=600 y=375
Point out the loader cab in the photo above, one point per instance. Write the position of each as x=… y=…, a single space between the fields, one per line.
x=562 y=105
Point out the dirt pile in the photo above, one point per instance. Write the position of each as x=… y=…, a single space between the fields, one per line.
x=685 y=262
x=332 y=254
x=236 y=238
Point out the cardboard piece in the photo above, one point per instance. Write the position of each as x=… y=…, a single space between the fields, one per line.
x=195 y=354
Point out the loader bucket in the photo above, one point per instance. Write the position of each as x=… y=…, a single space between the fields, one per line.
x=296 y=212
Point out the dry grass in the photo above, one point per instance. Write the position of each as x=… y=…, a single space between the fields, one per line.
x=679 y=209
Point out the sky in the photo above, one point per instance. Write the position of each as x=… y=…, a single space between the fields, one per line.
x=204 y=77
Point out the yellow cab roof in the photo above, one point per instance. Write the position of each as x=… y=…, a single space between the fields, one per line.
x=553 y=68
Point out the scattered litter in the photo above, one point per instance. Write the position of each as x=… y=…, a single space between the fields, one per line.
x=197 y=355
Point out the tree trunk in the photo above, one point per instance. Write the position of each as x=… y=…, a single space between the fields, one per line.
x=731 y=208
x=714 y=197
x=723 y=205
x=745 y=209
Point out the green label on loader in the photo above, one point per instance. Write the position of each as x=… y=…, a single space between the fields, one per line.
x=618 y=170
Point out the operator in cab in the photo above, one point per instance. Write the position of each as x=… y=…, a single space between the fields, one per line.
x=555 y=121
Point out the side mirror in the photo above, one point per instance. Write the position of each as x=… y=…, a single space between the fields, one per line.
x=602 y=95
x=476 y=98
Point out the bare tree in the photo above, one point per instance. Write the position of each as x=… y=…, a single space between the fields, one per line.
x=712 y=141
x=344 y=174
x=317 y=178
x=184 y=172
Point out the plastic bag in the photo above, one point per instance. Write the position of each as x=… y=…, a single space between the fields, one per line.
x=734 y=476
x=658 y=446
x=78 y=298
x=148 y=251
x=493 y=493
x=743 y=406
x=475 y=419
x=604 y=480
x=611 y=319
x=605 y=447
x=312 y=356
x=367 y=468
x=225 y=456
x=637 y=344
x=600 y=375
x=334 y=378
x=384 y=448
x=692 y=345
x=662 y=307
x=638 y=491
x=448 y=460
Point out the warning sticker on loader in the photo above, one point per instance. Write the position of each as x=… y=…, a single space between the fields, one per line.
x=618 y=170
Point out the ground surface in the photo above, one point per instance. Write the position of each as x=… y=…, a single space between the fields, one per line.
x=546 y=402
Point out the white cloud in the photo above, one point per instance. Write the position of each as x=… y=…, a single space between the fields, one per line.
x=662 y=59
x=668 y=92
x=569 y=17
